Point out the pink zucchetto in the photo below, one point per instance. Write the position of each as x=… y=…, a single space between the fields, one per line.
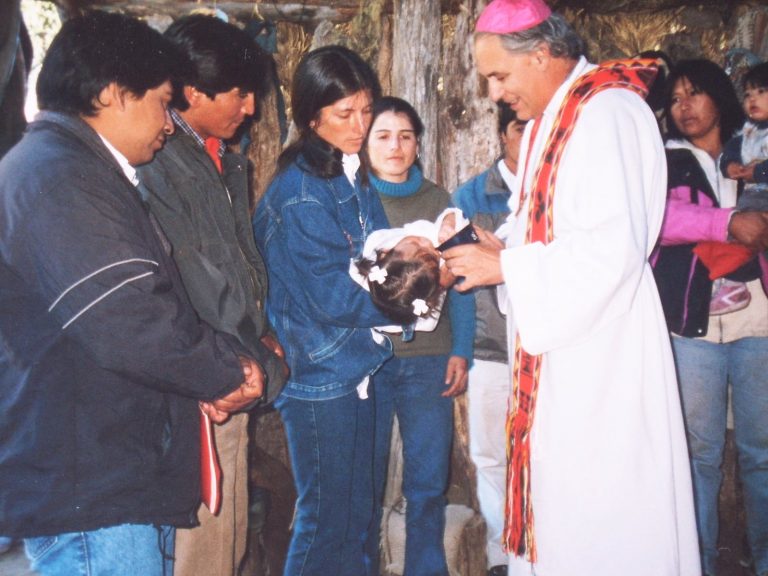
x=509 y=16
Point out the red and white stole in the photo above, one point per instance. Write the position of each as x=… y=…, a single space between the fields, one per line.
x=634 y=75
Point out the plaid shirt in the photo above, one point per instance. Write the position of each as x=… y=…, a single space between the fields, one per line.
x=179 y=122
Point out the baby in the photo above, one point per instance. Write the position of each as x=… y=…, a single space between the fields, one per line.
x=403 y=271
x=746 y=155
x=744 y=158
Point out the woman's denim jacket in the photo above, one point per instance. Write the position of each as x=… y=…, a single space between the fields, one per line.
x=308 y=228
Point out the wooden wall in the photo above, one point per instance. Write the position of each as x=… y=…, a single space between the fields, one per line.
x=422 y=51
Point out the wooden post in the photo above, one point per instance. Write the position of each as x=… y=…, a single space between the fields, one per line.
x=416 y=68
x=265 y=146
x=468 y=133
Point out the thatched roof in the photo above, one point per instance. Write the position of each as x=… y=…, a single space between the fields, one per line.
x=287 y=10
x=625 y=6
x=344 y=10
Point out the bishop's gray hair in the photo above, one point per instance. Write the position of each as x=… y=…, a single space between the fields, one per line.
x=555 y=32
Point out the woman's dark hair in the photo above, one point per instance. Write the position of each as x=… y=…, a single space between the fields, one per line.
x=324 y=76
x=398 y=106
x=406 y=281
x=92 y=51
x=757 y=76
x=223 y=57
x=709 y=78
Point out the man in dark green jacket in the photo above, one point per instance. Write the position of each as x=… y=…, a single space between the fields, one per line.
x=199 y=193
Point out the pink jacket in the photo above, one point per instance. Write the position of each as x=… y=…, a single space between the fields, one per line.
x=685 y=222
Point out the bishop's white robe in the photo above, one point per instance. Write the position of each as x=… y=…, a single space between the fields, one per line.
x=611 y=485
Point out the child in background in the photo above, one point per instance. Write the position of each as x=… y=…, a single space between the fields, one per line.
x=403 y=271
x=745 y=158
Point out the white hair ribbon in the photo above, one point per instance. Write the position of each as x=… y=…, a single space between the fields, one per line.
x=420 y=307
x=377 y=274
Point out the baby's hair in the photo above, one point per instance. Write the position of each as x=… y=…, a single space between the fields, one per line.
x=757 y=76
x=405 y=282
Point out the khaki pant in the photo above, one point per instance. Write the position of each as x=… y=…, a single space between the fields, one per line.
x=217 y=546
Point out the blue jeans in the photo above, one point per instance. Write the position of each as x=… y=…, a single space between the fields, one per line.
x=124 y=550
x=331 y=448
x=412 y=388
x=704 y=371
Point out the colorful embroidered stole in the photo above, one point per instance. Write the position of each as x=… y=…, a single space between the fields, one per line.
x=635 y=75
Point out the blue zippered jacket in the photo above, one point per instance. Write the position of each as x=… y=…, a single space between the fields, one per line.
x=483 y=199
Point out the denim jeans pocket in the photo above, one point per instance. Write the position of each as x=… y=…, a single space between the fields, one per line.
x=37 y=548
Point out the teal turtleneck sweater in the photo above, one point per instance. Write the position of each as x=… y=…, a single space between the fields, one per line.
x=400 y=189
x=420 y=199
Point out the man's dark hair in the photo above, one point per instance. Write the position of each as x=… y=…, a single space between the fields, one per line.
x=757 y=76
x=709 y=78
x=223 y=57
x=506 y=115
x=94 y=50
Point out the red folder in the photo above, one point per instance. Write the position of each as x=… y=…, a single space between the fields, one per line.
x=210 y=471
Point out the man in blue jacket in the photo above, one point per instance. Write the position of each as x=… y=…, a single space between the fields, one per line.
x=105 y=364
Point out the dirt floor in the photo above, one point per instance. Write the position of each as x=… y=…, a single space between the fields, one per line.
x=732 y=547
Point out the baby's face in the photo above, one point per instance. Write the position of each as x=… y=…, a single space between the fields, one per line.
x=414 y=247
x=756 y=103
